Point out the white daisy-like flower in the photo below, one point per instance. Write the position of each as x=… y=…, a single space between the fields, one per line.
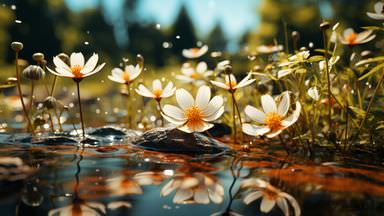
x=271 y=120
x=194 y=188
x=195 y=52
x=231 y=84
x=351 y=38
x=157 y=91
x=127 y=76
x=270 y=196
x=77 y=69
x=194 y=115
x=379 y=11
x=80 y=208
x=196 y=75
x=313 y=93
x=268 y=49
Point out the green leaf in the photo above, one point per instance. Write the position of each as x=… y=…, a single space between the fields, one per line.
x=373 y=28
x=316 y=58
x=374 y=70
x=323 y=51
x=370 y=60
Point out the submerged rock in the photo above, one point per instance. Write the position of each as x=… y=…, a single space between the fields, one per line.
x=108 y=131
x=56 y=140
x=175 y=141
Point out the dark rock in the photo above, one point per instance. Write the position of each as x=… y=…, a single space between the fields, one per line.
x=108 y=131
x=175 y=141
x=219 y=130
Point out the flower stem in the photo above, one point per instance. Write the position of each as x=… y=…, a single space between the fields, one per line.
x=31 y=96
x=234 y=118
x=370 y=103
x=80 y=107
x=30 y=127
x=325 y=41
x=239 y=116
x=160 y=111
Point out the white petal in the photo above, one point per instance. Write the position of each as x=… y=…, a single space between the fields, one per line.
x=201 y=196
x=215 y=116
x=182 y=195
x=293 y=117
x=268 y=104
x=143 y=91
x=214 y=105
x=252 y=197
x=347 y=32
x=115 y=79
x=243 y=84
x=77 y=59
x=91 y=64
x=174 y=112
x=231 y=78
x=283 y=205
x=379 y=7
x=156 y=85
x=60 y=64
x=274 y=133
x=184 y=78
x=202 y=97
x=267 y=205
x=255 y=114
x=184 y=99
x=201 y=67
x=172 y=120
x=98 y=68
x=168 y=188
x=284 y=104
x=220 y=85
x=293 y=203
x=205 y=126
x=255 y=130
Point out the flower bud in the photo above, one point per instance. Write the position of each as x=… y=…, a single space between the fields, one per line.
x=17 y=46
x=50 y=102
x=38 y=57
x=33 y=72
x=12 y=80
x=140 y=60
x=295 y=35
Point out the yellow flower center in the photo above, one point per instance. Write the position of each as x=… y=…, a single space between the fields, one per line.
x=76 y=69
x=195 y=50
x=273 y=121
x=231 y=84
x=157 y=92
x=351 y=38
x=126 y=77
x=271 y=193
x=195 y=75
x=194 y=117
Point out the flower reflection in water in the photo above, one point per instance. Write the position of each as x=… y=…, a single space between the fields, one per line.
x=194 y=188
x=270 y=196
x=120 y=186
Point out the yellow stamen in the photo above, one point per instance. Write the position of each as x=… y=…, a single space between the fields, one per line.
x=194 y=117
x=126 y=77
x=157 y=92
x=76 y=69
x=273 y=121
x=231 y=84
x=195 y=50
x=351 y=38
x=271 y=193
x=195 y=75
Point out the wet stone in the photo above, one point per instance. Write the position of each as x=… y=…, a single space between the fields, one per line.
x=108 y=131
x=172 y=140
x=219 y=130
x=58 y=140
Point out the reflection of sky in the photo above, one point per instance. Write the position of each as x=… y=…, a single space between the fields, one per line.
x=235 y=16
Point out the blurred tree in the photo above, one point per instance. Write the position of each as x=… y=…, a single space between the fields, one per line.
x=6 y=16
x=36 y=30
x=216 y=39
x=182 y=34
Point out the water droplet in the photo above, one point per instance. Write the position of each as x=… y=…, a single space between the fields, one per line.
x=178 y=37
x=105 y=113
x=71 y=105
x=18 y=21
x=168 y=172
x=311 y=45
x=73 y=93
x=166 y=45
x=86 y=43
x=158 y=26
x=199 y=43
x=152 y=118
x=97 y=111
x=98 y=99
x=13 y=7
x=88 y=32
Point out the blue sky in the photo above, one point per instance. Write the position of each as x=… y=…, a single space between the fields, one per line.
x=235 y=16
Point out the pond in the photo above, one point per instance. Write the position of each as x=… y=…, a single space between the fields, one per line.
x=115 y=177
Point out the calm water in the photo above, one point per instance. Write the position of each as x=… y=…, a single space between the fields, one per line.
x=116 y=178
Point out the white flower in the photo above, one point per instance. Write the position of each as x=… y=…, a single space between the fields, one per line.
x=268 y=49
x=157 y=91
x=271 y=120
x=194 y=188
x=127 y=76
x=314 y=93
x=270 y=197
x=231 y=82
x=195 y=52
x=77 y=69
x=378 y=14
x=190 y=74
x=80 y=208
x=351 y=38
x=120 y=186
x=194 y=115
x=221 y=65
